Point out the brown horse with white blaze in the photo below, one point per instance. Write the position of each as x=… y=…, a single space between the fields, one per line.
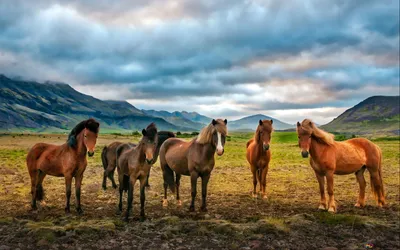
x=194 y=158
x=67 y=160
x=259 y=155
x=329 y=157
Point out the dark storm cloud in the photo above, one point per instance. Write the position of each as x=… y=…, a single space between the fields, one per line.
x=168 y=49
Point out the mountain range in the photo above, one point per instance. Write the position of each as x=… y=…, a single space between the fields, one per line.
x=374 y=115
x=57 y=107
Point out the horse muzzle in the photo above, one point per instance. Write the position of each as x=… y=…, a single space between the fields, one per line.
x=265 y=147
x=304 y=154
x=149 y=161
x=90 y=154
x=220 y=152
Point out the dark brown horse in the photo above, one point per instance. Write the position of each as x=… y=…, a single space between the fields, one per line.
x=194 y=158
x=134 y=164
x=109 y=156
x=329 y=157
x=67 y=160
x=258 y=155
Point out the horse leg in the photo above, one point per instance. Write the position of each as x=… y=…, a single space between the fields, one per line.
x=263 y=183
x=254 y=172
x=33 y=175
x=121 y=190
x=147 y=180
x=111 y=176
x=362 y=183
x=78 y=184
x=321 y=182
x=259 y=179
x=193 y=180
x=68 y=182
x=178 y=183
x=104 y=185
x=204 y=183
x=143 y=182
x=132 y=182
x=331 y=202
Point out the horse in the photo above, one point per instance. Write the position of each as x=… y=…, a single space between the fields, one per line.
x=67 y=160
x=134 y=164
x=109 y=156
x=258 y=155
x=194 y=159
x=329 y=157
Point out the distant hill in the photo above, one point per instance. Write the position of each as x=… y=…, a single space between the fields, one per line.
x=250 y=123
x=176 y=118
x=196 y=117
x=374 y=115
x=33 y=106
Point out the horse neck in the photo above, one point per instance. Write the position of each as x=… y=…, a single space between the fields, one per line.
x=80 y=145
x=315 y=148
x=139 y=153
x=209 y=149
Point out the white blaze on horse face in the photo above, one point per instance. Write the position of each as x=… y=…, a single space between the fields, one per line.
x=220 y=148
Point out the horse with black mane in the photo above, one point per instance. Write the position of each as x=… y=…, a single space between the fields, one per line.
x=110 y=154
x=134 y=164
x=67 y=160
x=194 y=158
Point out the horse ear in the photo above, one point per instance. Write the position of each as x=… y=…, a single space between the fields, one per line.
x=144 y=132
x=298 y=124
x=260 y=122
x=214 y=122
x=226 y=121
x=272 y=121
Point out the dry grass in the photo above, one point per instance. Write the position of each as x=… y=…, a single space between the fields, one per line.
x=234 y=219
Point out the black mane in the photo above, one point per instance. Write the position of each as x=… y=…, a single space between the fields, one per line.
x=90 y=124
x=151 y=131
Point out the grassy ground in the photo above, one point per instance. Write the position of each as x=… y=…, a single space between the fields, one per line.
x=288 y=219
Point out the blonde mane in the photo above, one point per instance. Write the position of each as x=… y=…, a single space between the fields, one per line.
x=322 y=136
x=207 y=132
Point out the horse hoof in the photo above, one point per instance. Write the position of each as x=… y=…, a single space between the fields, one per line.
x=264 y=197
x=254 y=195
x=165 y=203
x=203 y=209
x=148 y=186
x=179 y=203
x=359 y=205
x=191 y=209
x=332 y=210
x=142 y=218
x=118 y=212
x=321 y=207
x=67 y=210
x=115 y=186
x=79 y=211
x=104 y=187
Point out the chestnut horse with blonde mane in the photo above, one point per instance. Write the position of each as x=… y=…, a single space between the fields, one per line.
x=259 y=155
x=329 y=157
x=194 y=158
x=67 y=160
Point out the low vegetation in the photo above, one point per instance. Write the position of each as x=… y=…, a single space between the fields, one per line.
x=288 y=219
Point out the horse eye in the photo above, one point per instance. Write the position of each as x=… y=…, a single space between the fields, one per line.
x=298 y=137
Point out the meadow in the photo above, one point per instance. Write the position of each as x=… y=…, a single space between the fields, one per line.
x=288 y=219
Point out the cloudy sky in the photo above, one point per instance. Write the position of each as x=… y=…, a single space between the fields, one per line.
x=286 y=59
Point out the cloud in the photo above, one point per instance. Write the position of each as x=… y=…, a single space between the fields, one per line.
x=226 y=58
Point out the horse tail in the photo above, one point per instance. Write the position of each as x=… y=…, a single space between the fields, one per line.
x=169 y=177
x=104 y=158
x=381 y=191
x=39 y=192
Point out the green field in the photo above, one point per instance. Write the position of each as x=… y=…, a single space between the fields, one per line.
x=288 y=219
